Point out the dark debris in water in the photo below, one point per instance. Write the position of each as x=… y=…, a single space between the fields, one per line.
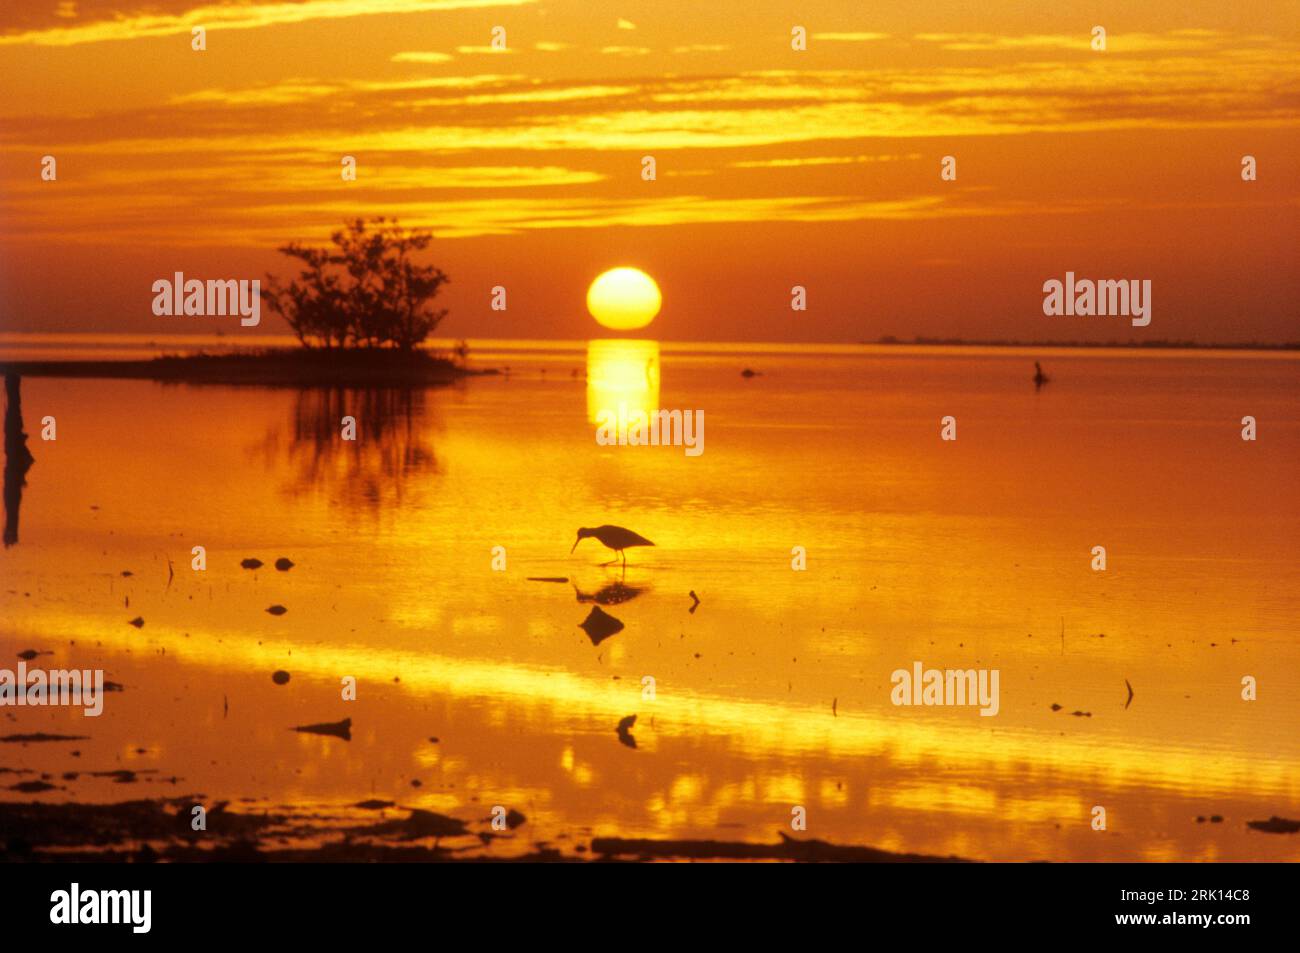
x=1275 y=825
x=32 y=787
x=337 y=729
x=148 y=831
x=625 y=731
x=121 y=776
x=33 y=825
x=1076 y=713
x=420 y=824
x=787 y=849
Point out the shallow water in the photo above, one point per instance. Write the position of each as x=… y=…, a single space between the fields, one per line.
x=775 y=692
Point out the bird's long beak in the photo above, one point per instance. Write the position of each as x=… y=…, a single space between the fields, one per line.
x=575 y=545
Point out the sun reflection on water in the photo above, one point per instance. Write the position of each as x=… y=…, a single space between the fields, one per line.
x=622 y=373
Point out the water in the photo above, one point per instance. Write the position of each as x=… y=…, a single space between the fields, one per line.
x=775 y=692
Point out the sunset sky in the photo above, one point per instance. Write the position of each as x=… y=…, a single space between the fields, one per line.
x=775 y=167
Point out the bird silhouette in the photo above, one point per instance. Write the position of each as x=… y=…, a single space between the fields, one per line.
x=1039 y=377
x=613 y=537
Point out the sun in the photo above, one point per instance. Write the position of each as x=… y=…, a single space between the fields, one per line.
x=624 y=299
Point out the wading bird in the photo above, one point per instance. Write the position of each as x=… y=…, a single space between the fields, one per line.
x=613 y=537
x=1039 y=377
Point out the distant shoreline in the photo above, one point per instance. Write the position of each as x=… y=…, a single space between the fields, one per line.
x=287 y=368
x=1135 y=345
x=150 y=346
x=277 y=365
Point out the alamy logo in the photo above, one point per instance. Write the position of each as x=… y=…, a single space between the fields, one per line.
x=207 y=298
x=639 y=428
x=134 y=907
x=55 y=687
x=1085 y=297
x=933 y=686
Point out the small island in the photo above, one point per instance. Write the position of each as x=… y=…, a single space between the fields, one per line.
x=362 y=311
x=274 y=367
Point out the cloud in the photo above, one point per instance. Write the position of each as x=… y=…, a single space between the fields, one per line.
x=147 y=23
x=495 y=112
x=797 y=161
x=257 y=160
x=417 y=56
x=1119 y=42
x=851 y=37
x=296 y=90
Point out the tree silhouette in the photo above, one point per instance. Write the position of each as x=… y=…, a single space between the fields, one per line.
x=366 y=291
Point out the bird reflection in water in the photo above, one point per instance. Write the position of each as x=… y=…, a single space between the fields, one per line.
x=611 y=594
x=600 y=625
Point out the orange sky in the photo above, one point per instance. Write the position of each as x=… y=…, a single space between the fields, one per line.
x=775 y=167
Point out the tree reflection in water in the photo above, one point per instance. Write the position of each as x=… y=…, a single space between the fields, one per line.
x=393 y=444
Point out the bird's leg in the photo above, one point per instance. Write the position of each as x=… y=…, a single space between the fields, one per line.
x=623 y=553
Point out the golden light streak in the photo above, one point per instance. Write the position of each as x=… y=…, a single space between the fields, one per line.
x=754 y=725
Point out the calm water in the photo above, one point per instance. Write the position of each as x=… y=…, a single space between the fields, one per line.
x=775 y=692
